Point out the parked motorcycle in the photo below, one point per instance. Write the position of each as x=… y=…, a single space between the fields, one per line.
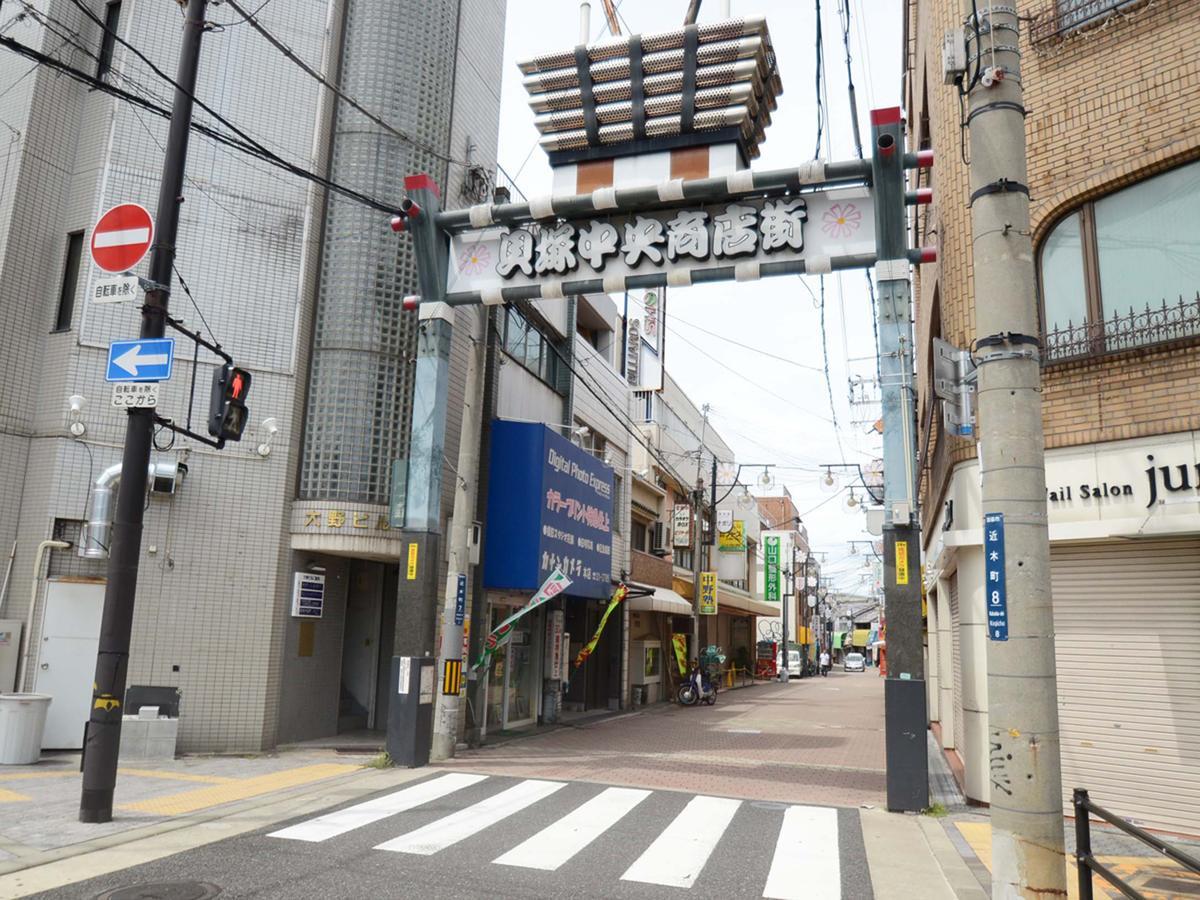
x=688 y=695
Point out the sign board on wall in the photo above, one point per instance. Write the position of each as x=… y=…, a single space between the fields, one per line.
x=724 y=520
x=554 y=646
x=550 y=506
x=308 y=595
x=681 y=526
x=733 y=539
x=651 y=305
x=633 y=353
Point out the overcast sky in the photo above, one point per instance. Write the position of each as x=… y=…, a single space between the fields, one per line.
x=768 y=410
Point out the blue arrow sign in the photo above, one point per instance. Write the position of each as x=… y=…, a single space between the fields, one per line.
x=149 y=359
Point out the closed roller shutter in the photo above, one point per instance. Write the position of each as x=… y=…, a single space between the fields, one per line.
x=1127 y=624
x=956 y=663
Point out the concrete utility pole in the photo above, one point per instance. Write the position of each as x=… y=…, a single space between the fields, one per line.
x=103 y=740
x=904 y=688
x=451 y=661
x=1023 y=736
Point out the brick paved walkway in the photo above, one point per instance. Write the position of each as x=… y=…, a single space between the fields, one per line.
x=819 y=740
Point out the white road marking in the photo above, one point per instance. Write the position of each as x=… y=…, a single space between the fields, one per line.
x=554 y=845
x=678 y=855
x=806 y=865
x=121 y=237
x=455 y=827
x=324 y=827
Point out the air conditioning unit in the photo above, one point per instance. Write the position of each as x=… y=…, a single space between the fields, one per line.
x=660 y=539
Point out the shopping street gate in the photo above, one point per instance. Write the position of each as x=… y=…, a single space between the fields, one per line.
x=815 y=218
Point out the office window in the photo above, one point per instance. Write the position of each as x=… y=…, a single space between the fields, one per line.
x=639 y=536
x=112 y=20
x=70 y=282
x=529 y=347
x=1122 y=271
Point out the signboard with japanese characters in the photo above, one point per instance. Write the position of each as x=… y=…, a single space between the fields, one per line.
x=708 y=593
x=821 y=224
x=308 y=595
x=732 y=539
x=724 y=520
x=681 y=526
x=550 y=506
x=771 y=568
x=993 y=568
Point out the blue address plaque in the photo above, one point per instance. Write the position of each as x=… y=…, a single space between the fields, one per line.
x=996 y=588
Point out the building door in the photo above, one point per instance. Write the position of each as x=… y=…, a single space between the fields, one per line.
x=1127 y=627
x=65 y=659
x=360 y=646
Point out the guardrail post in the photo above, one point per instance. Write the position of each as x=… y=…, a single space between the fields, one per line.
x=1083 y=843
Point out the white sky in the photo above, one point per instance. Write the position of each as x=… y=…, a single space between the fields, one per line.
x=783 y=417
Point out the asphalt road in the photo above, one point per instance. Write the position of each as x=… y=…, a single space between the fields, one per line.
x=461 y=835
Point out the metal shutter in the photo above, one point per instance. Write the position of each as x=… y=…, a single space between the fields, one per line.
x=956 y=662
x=1127 y=623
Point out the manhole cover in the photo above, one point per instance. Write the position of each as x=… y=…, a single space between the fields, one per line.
x=164 y=890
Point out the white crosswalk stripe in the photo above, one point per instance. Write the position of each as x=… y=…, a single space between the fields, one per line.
x=333 y=824
x=678 y=855
x=806 y=864
x=557 y=843
x=450 y=830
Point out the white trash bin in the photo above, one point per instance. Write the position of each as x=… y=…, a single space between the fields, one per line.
x=22 y=721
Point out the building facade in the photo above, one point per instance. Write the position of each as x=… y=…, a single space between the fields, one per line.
x=1114 y=182
x=301 y=286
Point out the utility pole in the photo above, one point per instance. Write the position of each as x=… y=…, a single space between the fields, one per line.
x=103 y=737
x=904 y=688
x=697 y=559
x=445 y=721
x=1023 y=735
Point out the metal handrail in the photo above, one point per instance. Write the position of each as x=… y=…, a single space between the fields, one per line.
x=1087 y=863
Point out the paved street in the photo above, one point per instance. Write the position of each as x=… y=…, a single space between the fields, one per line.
x=818 y=740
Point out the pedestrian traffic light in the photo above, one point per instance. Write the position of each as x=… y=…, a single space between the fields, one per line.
x=227 y=412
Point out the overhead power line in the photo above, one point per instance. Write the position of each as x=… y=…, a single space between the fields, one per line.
x=249 y=18
x=257 y=148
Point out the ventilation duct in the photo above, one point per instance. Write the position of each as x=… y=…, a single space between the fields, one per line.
x=96 y=536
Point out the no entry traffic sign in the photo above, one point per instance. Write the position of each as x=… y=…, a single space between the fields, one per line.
x=122 y=237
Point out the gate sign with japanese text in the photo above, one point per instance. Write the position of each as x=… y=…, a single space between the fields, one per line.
x=747 y=232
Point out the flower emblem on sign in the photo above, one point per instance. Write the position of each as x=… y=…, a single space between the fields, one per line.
x=841 y=220
x=474 y=259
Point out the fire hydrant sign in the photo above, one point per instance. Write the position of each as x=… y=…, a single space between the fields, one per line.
x=997 y=593
x=121 y=237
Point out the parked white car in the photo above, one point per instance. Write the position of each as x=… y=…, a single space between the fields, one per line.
x=793 y=663
x=853 y=662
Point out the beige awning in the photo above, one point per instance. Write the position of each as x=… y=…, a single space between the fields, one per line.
x=738 y=602
x=663 y=600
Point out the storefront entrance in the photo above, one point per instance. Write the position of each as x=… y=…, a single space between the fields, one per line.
x=514 y=680
x=367 y=640
x=596 y=684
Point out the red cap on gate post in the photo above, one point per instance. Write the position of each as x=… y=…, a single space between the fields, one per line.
x=121 y=238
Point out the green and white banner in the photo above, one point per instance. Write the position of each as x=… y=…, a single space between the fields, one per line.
x=771 y=568
x=500 y=635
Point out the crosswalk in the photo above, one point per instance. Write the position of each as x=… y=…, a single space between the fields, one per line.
x=805 y=860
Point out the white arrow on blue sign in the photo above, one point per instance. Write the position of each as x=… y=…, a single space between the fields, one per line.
x=149 y=359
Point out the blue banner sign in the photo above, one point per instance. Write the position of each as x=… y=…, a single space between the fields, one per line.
x=460 y=600
x=550 y=506
x=997 y=592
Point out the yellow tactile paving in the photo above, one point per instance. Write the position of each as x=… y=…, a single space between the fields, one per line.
x=25 y=776
x=7 y=796
x=241 y=789
x=1133 y=869
x=177 y=776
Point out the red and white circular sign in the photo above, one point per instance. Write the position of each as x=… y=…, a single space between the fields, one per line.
x=122 y=237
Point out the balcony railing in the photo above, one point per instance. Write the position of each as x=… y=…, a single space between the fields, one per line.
x=1154 y=325
x=1062 y=17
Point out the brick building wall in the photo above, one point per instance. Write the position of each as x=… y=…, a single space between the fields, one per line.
x=1107 y=106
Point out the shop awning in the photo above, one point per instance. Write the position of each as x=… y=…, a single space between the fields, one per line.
x=861 y=636
x=728 y=601
x=663 y=600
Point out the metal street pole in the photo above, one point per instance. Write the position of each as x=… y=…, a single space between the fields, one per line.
x=103 y=737
x=1023 y=731
x=904 y=688
x=697 y=550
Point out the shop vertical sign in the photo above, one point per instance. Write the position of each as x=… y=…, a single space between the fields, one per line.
x=708 y=593
x=997 y=591
x=771 y=573
x=681 y=526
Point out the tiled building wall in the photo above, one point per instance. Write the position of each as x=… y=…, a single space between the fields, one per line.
x=1106 y=107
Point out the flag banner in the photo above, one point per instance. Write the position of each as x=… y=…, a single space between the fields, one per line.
x=679 y=642
x=499 y=636
x=618 y=595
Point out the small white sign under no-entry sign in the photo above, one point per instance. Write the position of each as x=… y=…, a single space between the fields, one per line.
x=135 y=395
x=115 y=290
